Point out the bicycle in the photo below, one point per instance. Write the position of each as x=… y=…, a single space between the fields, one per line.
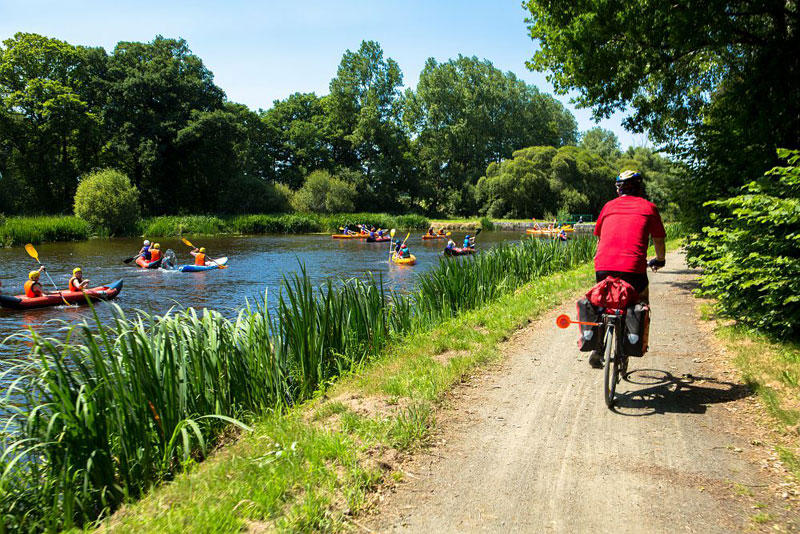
x=615 y=361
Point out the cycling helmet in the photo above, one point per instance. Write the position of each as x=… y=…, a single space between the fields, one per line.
x=629 y=183
x=146 y=243
x=628 y=176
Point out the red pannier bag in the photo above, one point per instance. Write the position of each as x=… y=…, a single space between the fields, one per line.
x=613 y=294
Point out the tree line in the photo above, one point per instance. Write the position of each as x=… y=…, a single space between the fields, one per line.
x=153 y=112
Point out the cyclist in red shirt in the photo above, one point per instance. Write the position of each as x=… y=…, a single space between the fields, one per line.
x=624 y=228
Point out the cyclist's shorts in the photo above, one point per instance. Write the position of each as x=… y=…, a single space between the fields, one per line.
x=637 y=280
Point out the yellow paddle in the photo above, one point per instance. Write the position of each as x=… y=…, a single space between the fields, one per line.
x=189 y=244
x=35 y=255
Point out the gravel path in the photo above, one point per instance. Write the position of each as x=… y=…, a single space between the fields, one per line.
x=531 y=447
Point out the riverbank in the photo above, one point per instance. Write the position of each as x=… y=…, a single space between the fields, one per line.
x=318 y=466
x=16 y=231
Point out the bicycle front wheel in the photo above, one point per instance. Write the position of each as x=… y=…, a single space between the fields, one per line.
x=611 y=366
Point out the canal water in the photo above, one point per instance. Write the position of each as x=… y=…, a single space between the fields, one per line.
x=256 y=264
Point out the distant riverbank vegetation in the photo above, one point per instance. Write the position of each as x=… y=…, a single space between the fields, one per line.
x=468 y=140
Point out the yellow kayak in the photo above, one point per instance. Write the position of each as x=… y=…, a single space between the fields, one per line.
x=411 y=260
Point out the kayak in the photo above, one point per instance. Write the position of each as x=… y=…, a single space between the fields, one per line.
x=378 y=239
x=197 y=268
x=548 y=231
x=21 y=302
x=429 y=236
x=350 y=236
x=144 y=264
x=411 y=260
x=455 y=251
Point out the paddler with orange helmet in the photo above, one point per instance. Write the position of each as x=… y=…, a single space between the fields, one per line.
x=199 y=256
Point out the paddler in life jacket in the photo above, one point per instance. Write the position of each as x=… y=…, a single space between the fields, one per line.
x=32 y=287
x=430 y=232
x=145 y=251
x=450 y=244
x=77 y=283
x=199 y=256
x=467 y=241
x=155 y=252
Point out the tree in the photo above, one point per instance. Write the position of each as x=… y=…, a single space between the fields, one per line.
x=153 y=91
x=466 y=113
x=364 y=108
x=323 y=193
x=48 y=131
x=602 y=142
x=662 y=177
x=107 y=200
x=716 y=81
x=542 y=180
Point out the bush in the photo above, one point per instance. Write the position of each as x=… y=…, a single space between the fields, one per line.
x=108 y=201
x=248 y=194
x=179 y=225
x=751 y=254
x=323 y=193
x=274 y=224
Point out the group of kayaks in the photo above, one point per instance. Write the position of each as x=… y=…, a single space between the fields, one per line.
x=105 y=292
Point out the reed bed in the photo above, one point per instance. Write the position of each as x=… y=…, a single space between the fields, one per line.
x=20 y=230
x=100 y=415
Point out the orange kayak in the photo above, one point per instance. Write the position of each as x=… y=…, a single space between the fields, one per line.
x=356 y=236
x=429 y=236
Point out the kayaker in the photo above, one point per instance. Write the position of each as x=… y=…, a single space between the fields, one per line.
x=380 y=232
x=145 y=251
x=562 y=235
x=441 y=232
x=397 y=246
x=451 y=244
x=77 y=283
x=430 y=232
x=199 y=256
x=32 y=287
x=155 y=252
x=468 y=243
x=372 y=233
x=404 y=252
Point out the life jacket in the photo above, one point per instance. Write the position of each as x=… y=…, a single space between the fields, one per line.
x=73 y=284
x=200 y=259
x=613 y=294
x=29 y=292
x=155 y=254
x=146 y=253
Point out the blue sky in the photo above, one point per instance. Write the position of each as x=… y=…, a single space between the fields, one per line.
x=262 y=51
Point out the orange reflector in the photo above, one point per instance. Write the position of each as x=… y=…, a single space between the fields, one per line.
x=562 y=321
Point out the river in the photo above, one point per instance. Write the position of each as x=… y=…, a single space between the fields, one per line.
x=256 y=264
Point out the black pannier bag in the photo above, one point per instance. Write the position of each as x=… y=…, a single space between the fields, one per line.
x=589 y=337
x=637 y=329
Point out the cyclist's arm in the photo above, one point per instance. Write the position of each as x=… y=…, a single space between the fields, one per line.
x=661 y=248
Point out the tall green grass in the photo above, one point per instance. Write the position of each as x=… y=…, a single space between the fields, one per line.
x=20 y=230
x=99 y=417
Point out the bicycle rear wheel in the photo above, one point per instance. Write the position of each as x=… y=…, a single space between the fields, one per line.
x=611 y=366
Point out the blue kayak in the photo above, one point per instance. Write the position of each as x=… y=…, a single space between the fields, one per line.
x=209 y=266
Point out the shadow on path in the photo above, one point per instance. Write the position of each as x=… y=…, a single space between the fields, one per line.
x=659 y=392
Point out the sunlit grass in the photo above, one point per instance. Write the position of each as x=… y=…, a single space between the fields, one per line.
x=15 y=231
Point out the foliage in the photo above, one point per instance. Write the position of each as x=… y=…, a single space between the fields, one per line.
x=602 y=142
x=16 y=231
x=540 y=180
x=323 y=193
x=107 y=200
x=662 y=177
x=715 y=81
x=100 y=417
x=175 y=225
x=466 y=102
x=750 y=254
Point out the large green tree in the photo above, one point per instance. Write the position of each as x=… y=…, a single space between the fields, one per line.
x=717 y=81
x=49 y=131
x=466 y=113
x=602 y=142
x=153 y=92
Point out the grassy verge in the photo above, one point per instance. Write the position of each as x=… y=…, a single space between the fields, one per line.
x=314 y=468
x=772 y=370
x=15 y=231
x=20 y=230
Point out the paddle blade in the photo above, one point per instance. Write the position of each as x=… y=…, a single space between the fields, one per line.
x=448 y=234
x=128 y=260
x=562 y=321
x=187 y=242
x=392 y=232
x=32 y=251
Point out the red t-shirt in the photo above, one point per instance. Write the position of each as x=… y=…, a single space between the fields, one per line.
x=624 y=226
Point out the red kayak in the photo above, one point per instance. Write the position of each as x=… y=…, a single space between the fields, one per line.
x=455 y=251
x=145 y=264
x=21 y=302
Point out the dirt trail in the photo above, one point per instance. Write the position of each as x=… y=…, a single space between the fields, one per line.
x=531 y=447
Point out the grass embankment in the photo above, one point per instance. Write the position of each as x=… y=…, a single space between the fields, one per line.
x=20 y=230
x=314 y=468
x=15 y=231
x=772 y=370
x=103 y=416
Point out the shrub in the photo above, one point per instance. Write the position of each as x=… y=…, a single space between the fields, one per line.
x=249 y=194
x=182 y=224
x=323 y=193
x=751 y=254
x=108 y=201
x=274 y=224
